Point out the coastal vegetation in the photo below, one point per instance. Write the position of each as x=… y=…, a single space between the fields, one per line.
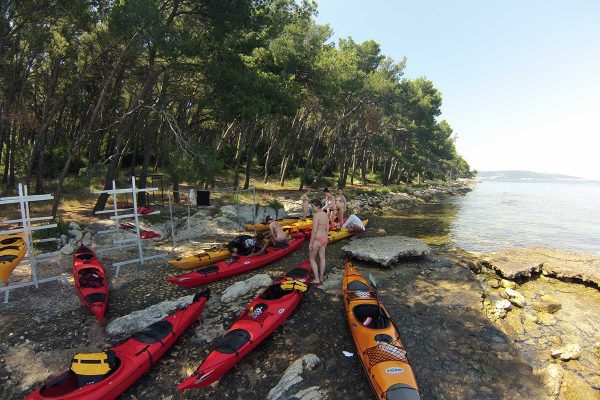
x=207 y=91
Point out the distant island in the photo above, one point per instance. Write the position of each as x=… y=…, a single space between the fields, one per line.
x=527 y=176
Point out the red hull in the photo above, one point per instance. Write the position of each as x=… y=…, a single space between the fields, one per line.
x=86 y=264
x=249 y=330
x=225 y=269
x=136 y=355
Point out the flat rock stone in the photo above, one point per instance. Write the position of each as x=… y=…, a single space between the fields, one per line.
x=140 y=319
x=523 y=263
x=292 y=377
x=386 y=250
x=239 y=289
x=571 y=351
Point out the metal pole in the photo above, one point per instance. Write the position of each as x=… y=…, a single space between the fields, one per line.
x=188 y=209
x=28 y=238
x=171 y=214
x=135 y=218
x=237 y=196
x=254 y=209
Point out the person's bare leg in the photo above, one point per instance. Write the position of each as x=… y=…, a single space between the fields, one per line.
x=312 y=257
x=322 y=261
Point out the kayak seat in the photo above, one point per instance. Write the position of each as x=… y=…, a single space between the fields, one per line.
x=84 y=256
x=357 y=285
x=281 y=245
x=274 y=292
x=90 y=278
x=233 y=341
x=298 y=273
x=363 y=311
x=210 y=269
x=96 y=298
x=154 y=333
x=401 y=391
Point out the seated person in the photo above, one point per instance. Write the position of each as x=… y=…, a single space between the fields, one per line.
x=248 y=246
x=278 y=236
x=354 y=224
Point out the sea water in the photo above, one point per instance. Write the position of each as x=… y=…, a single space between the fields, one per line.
x=503 y=214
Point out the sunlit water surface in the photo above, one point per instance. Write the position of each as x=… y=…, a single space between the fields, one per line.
x=497 y=215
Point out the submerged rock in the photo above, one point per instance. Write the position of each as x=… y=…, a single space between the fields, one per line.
x=239 y=289
x=292 y=377
x=386 y=250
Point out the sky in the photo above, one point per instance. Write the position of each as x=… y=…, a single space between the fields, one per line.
x=520 y=80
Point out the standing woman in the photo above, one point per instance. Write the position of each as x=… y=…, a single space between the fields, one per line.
x=305 y=203
x=318 y=241
x=329 y=206
x=340 y=205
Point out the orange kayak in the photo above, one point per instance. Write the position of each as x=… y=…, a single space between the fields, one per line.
x=377 y=340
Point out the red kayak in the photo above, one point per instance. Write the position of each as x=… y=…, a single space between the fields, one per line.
x=104 y=376
x=90 y=281
x=235 y=266
x=262 y=316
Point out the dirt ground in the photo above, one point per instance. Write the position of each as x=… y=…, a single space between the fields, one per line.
x=455 y=350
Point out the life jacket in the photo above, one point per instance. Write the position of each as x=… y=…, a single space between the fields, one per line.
x=92 y=367
x=295 y=285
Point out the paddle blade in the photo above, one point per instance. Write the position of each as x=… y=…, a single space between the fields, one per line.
x=372 y=281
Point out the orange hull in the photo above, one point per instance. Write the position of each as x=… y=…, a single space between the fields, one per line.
x=377 y=341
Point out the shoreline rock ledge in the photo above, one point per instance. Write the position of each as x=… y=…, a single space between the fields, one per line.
x=387 y=250
x=522 y=264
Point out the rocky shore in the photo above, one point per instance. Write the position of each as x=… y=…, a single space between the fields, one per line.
x=474 y=327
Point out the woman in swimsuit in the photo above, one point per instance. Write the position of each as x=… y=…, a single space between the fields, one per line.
x=329 y=206
x=305 y=203
x=318 y=241
x=278 y=236
x=340 y=205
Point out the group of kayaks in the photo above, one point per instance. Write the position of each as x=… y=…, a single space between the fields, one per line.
x=106 y=375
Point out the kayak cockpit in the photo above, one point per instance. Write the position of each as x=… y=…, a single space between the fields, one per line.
x=274 y=292
x=70 y=381
x=401 y=391
x=377 y=316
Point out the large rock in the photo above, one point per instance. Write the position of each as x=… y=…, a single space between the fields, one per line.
x=245 y=213
x=239 y=289
x=292 y=377
x=225 y=224
x=386 y=250
x=523 y=263
x=140 y=319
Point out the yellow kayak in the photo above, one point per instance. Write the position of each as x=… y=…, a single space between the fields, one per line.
x=12 y=251
x=265 y=227
x=200 y=259
x=302 y=224
x=343 y=233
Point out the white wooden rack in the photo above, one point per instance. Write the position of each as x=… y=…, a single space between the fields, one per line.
x=27 y=225
x=119 y=214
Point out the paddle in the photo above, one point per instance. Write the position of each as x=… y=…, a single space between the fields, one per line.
x=373 y=283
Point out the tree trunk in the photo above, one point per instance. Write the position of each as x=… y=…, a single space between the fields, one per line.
x=267 y=158
x=125 y=127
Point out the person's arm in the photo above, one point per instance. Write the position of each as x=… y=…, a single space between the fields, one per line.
x=313 y=233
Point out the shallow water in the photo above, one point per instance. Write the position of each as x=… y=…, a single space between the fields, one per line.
x=497 y=215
